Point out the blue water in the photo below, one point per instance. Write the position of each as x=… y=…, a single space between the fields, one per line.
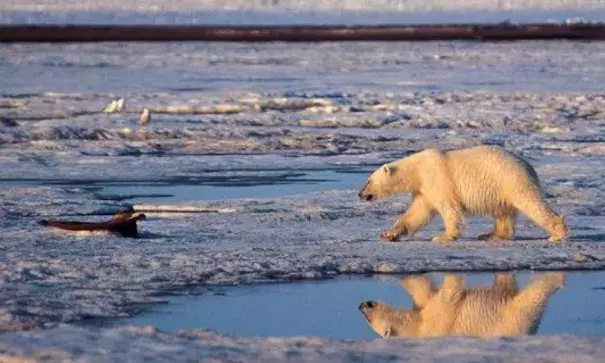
x=255 y=185
x=312 y=181
x=330 y=308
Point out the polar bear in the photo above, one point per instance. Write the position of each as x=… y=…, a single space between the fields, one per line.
x=481 y=180
x=500 y=310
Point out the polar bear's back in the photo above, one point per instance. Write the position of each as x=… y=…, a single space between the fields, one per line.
x=489 y=180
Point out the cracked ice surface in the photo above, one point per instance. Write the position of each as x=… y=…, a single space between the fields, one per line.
x=281 y=117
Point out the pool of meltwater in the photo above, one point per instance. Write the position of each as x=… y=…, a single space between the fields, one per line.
x=330 y=308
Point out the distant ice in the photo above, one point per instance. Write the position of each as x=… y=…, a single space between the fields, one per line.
x=299 y=11
x=220 y=73
x=300 y=5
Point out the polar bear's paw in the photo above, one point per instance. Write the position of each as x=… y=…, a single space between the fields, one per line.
x=391 y=236
x=493 y=236
x=443 y=239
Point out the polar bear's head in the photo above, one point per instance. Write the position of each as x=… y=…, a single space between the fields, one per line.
x=380 y=184
x=387 y=321
x=374 y=313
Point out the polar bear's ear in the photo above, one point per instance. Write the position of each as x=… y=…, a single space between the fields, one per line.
x=389 y=170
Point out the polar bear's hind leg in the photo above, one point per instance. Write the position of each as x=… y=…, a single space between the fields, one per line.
x=534 y=207
x=504 y=228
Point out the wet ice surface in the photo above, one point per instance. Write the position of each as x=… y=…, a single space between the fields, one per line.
x=249 y=170
x=329 y=309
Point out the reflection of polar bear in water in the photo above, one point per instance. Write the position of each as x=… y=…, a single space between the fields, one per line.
x=482 y=180
x=454 y=310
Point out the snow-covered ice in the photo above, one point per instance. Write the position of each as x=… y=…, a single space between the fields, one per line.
x=282 y=116
x=146 y=344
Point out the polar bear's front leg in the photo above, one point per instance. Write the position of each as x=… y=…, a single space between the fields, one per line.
x=452 y=220
x=417 y=216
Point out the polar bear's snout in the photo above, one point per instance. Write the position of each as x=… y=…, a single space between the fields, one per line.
x=366 y=197
x=363 y=194
x=366 y=305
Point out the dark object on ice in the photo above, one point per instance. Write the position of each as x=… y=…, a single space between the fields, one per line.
x=300 y=33
x=5 y=121
x=122 y=223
